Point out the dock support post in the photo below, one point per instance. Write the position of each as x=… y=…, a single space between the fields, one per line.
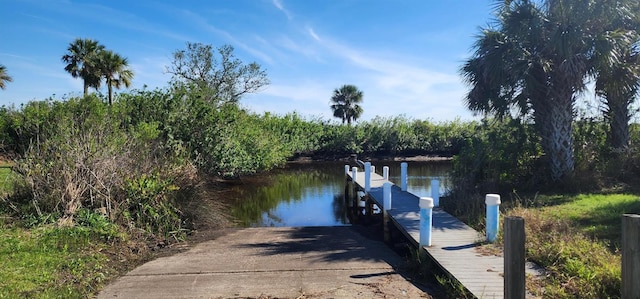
x=386 y=195
x=403 y=176
x=386 y=206
x=435 y=192
x=354 y=173
x=385 y=173
x=426 y=212
x=514 y=258
x=630 y=256
x=373 y=169
x=367 y=176
x=493 y=216
x=346 y=169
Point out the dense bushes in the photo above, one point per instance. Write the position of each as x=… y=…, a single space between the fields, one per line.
x=81 y=157
x=500 y=154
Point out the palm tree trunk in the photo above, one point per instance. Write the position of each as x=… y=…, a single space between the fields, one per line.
x=557 y=137
x=619 y=123
x=110 y=87
x=554 y=118
x=86 y=88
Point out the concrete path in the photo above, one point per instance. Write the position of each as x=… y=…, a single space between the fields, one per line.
x=312 y=262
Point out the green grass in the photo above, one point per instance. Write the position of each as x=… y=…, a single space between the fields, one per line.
x=576 y=239
x=6 y=179
x=49 y=263
x=61 y=262
x=596 y=215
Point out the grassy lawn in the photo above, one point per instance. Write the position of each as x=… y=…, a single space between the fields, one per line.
x=596 y=215
x=577 y=239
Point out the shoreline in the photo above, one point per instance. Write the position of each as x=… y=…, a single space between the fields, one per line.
x=416 y=158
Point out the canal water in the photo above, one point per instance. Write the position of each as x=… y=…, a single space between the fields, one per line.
x=312 y=194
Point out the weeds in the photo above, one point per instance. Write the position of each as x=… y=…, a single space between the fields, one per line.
x=576 y=265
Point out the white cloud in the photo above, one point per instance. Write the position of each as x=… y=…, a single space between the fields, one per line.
x=313 y=34
x=202 y=22
x=278 y=4
x=392 y=86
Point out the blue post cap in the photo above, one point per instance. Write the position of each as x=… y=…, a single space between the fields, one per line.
x=426 y=203
x=492 y=199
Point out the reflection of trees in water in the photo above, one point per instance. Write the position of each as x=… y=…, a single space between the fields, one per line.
x=260 y=195
x=290 y=185
x=340 y=208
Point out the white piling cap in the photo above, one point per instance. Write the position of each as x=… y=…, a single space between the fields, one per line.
x=426 y=203
x=492 y=199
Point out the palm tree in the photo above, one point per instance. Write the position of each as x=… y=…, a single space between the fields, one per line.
x=114 y=68
x=82 y=61
x=617 y=84
x=616 y=66
x=345 y=103
x=535 y=60
x=4 y=77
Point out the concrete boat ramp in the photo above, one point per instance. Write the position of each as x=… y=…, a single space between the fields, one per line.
x=306 y=262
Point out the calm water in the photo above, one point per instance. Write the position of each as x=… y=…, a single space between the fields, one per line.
x=312 y=194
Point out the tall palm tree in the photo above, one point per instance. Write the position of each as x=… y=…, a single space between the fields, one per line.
x=536 y=60
x=83 y=60
x=114 y=68
x=4 y=77
x=345 y=103
x=618 y=84
x=616 y=66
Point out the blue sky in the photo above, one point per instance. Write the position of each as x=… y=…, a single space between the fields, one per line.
x=404 y=55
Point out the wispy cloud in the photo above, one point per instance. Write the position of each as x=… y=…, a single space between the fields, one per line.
x=278 y=4
x=202 y=22
x=392 y=84
x=313 y=34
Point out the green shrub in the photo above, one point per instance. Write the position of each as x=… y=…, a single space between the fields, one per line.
x=501 y=154
x=150 y=206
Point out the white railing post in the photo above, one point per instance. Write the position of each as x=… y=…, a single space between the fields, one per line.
x=367 y=176
x=493 y=216
x=403 y=176
x=373 y=169
x=426 y=211
x=386 y=195
x=354 y=173
x=385 y=173
x=346 y=169
x=435 y=192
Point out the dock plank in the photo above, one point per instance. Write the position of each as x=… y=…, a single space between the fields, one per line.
x=454 y=244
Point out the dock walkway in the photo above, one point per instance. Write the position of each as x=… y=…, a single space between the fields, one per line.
x=454 y=244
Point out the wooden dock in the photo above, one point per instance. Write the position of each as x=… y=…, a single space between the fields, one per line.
x=454 y=244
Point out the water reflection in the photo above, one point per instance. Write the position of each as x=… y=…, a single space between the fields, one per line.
x=313 y=194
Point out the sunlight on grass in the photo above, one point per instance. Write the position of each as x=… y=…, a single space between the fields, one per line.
x=597 y=215
x=577 y=240
x=48 y=262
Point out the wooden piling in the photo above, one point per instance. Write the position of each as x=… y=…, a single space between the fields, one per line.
x=514 y=258
x=630 y=256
